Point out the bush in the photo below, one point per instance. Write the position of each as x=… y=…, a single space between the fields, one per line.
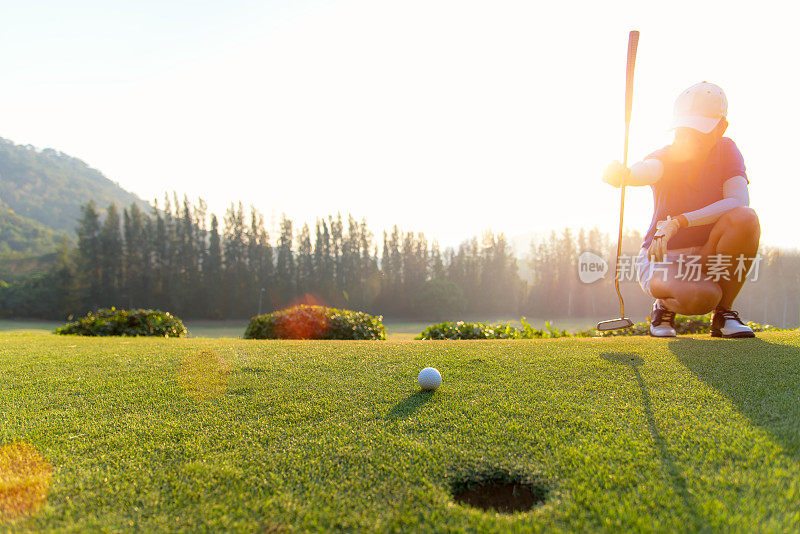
x=114 y=322
x=315 y=322
x=463 y=330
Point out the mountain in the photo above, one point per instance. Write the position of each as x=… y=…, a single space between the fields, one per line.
x=49 y=187
x=23 y=237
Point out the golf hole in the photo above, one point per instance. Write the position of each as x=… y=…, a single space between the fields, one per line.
x=500 y=492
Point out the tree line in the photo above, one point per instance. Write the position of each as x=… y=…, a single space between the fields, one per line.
x=182 y=259
x=178 y=257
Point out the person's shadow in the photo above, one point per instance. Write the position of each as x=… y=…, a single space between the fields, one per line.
x=670 y=469
x=759 y=377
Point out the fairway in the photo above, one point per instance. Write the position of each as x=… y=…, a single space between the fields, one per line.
x=281 y=436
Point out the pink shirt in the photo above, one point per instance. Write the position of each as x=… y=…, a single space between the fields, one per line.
x=676 y=193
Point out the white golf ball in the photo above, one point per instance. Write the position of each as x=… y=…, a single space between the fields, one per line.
x=429 y=379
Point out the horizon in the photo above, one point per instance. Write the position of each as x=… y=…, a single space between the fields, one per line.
x=443 y=118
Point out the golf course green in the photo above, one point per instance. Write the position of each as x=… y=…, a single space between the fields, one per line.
x=204 y=435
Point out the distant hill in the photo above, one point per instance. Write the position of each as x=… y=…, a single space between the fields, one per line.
x=49 y=187
x=22 y=237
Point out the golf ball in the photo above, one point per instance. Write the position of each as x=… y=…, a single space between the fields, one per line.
x=429 y=379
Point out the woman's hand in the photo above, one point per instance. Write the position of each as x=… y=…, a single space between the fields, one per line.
x=665 y=230
x=615 y=173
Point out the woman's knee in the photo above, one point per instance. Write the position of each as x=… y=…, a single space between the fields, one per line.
x=743 y=219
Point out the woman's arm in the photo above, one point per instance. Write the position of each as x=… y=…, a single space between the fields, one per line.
x=645 y=172
x=734 y=195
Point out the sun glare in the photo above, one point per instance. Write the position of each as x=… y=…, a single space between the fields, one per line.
x=24 y=480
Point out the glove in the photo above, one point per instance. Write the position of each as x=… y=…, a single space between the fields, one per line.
x=665 y=230
x=615 y=173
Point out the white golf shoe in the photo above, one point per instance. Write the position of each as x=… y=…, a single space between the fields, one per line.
x=662 y=322
x=726 y=323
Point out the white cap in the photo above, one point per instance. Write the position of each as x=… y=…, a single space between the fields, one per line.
x=700 y=107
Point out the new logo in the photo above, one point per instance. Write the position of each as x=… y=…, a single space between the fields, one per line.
x=591 y=267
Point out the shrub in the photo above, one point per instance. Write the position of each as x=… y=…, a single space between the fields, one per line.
x=315 y=322
x=114 y=322
x=464 y=330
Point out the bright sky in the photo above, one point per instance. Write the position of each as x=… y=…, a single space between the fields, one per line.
x=448 y=117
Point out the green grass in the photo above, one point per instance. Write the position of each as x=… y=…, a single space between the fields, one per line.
x=630 y=434
x=28 y=325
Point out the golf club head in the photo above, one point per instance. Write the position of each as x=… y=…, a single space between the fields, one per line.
x=615 y=324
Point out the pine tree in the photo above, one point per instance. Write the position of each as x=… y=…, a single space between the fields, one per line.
x=161 y=263
x=236 y=279
x=259 y=254
x=200 y=296
x=148 y=279
x=266 y=275
x=323 y=264
x=188 y=261
x=394 y=273
x=134 y=256
x=337 y=296
x=170 y=269
x=89 y=256
x=284 y=267
x=370 y=283
x=436 y=266
x=349 y=263
x=63 y=281
x=304 y=274
x=415 y=270
x=111 y=258
x=212 y=273
x=386 y=274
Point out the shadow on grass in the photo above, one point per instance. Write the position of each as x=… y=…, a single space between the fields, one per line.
x=762 y=380
x=634 y=362
x=409 y=405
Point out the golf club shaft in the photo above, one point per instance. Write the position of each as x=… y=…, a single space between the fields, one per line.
x=619 y=237
x=633 y=43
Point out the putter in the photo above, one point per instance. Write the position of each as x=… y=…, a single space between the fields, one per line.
x=623 y=322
